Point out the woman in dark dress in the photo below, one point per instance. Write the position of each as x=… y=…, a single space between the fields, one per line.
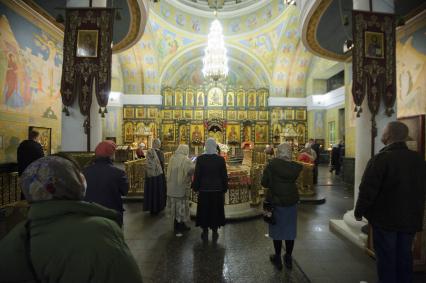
x=211 y=183
x=155 y=182
x=279 y=177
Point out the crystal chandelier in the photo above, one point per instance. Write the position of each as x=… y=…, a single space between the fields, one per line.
x=215 y=61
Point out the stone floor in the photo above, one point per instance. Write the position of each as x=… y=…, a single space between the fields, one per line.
x=241 y=253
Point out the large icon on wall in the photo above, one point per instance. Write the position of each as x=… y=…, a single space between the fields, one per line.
x=197 y=133
x=178 y=97
x=240 y=98
x=200 y=98
x=247 y=133
x=183 y=134
x=251 y=98
x=128 y=132
x=140 y=112
x=233 y=133
x=198 y=114
x=87 y=43
x=189 y=99
x=261 y=133
x=45 y=138
x=230 y=98
x=129 y=112
x=169 y=132
x=168 y=97
x=215 y=97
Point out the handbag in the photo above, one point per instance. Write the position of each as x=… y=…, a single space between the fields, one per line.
x=268 y=212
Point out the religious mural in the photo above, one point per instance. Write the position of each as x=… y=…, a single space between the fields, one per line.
x=411 y=70
x=30 y=75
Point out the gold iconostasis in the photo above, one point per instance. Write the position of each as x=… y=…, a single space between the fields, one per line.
x=231 y=116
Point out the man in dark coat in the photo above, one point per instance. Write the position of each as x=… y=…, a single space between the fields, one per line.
x=29 y=151
x=105 y=182
x=392 y=198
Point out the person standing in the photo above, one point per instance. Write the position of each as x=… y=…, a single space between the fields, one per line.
x=106 y=184
x=211 y=183
x=179 y=172
x=279 y=177
x=392 y=198
x=64 y=239
x=335 y=159
x=155 y=196
x=139 y=152
x=29 y=151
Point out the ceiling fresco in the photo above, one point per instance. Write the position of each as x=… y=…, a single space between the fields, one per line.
x=199 y=22
x=170 y=54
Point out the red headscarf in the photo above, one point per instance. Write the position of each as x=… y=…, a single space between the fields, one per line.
x=105 y=149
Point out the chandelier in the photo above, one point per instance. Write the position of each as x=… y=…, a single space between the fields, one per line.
x=215 y=61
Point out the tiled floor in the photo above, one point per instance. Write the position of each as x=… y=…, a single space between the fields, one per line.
x=241 y=254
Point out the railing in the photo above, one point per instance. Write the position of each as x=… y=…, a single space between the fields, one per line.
x=305 y=182
x=135 y=170
x=10 y=191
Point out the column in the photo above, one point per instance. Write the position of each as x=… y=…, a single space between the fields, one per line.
x=73 y=136
x=349 y=227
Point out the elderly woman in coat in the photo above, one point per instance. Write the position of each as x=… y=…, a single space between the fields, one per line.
x=64 y=239
x=280 y=177
x=179 y=173
x=211 y=183
x=155 y=181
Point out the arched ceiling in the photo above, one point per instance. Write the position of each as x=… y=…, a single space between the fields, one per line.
x=268 y=54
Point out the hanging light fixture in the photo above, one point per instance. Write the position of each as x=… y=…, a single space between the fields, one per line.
x=215 y=61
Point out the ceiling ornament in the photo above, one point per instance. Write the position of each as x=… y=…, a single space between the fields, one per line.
x=215 y=61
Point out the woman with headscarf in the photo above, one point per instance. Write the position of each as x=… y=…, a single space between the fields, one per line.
x=64 y=238
x=155 y=182
x=139 y=152
x=211 y=183
x=279 y=177
x=106 y=184
x=179 y=173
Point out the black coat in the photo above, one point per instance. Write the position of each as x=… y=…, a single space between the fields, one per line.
x=393 y=188
x=316 y=148
x=28 y=152
x=280 y=178
x=106 y=184
x=335 y=156
x=210 y=173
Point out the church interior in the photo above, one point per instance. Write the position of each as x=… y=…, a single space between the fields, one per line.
x=252 y=74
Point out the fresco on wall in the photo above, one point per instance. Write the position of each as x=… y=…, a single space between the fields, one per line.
x=319 y=124
x=411 y=73
x=30 y=74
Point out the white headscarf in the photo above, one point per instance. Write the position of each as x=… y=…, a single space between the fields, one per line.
x=285 y=152
x=179 y=166
x=211 y=146
x=156 y=144
x=153 y=165
x=142 y=145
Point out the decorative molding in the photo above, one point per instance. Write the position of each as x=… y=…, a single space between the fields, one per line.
x=326 y=101
x=28 y=12
x=138 y=22
x=309 y=31
x=286 y=101
x=142 y=99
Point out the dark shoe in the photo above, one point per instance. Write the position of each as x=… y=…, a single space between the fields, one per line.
x=215 y=235
x=184 y=227
x=288 y=261
x=205 y=235
x=276 y=260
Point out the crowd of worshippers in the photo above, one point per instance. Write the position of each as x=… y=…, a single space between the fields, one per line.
x=73 y=232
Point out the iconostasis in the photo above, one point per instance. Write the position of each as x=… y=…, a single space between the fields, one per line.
x=231 y=116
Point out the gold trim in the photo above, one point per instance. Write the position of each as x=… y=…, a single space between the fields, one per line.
x=135 y=25
x=26 y=11
x=125 y=43
x=311 y=33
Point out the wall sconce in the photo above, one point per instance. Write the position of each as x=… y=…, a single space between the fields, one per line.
x=348 y=45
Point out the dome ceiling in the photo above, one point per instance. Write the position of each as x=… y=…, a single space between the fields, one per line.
x=222 y=5
x=264 y=48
